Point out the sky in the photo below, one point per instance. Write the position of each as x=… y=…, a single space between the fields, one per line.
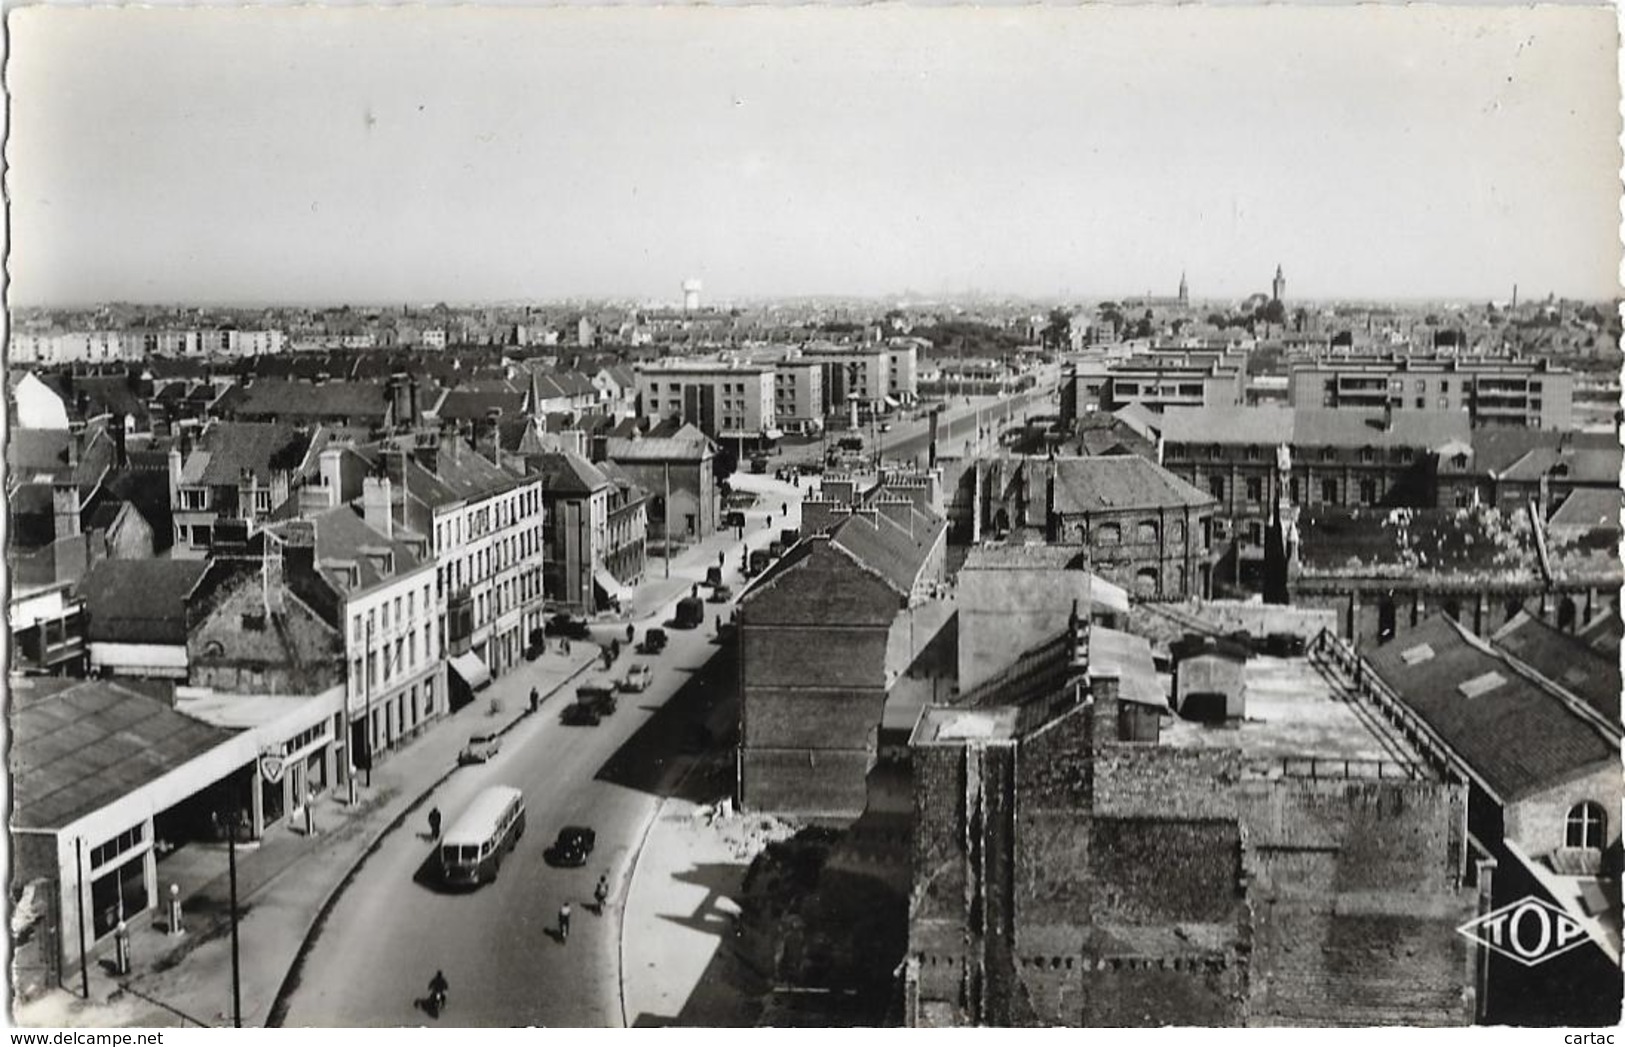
x=373 y=155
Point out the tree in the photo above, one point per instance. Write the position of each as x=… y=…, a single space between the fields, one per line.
x=1058 y=332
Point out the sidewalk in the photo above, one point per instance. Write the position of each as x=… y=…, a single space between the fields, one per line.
x=680 y=908
x=284 y=883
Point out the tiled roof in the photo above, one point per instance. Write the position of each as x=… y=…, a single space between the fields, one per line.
x=1515 y=452
x=566 y=472
x=355 y=400
x=343 y=537
x=682 y=448
x=225 y=449
x=1273 y=425
x=1564 y=660
x=886 y=548
x=139 y=601
x=465 y=404
x=1590 y=509
x=77 y=746
x=1089 y=485
x=1517 y=736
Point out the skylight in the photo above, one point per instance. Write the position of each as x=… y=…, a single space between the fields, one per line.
x=1481 y=685
x=1417 y=655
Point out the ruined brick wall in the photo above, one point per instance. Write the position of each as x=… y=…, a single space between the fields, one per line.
x=937 y=900
x=1148 y=781
x=1355 y=903
x=1144 y=993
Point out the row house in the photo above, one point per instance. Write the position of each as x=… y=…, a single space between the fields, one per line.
x=679 y=472
x=595 y=532
x=482 y=527
x=234 y=471
x=378 y=591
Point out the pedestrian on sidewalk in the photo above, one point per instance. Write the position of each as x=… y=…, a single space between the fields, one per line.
x=564 y=922
x=600 y=893
x=535 y=699
x=631 y=633
x=434 y=823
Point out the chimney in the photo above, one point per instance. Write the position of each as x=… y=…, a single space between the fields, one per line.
x=427 y=451
x=121 y=459
x=76 y=442
x=331 y=465
x=899 y=511
x=931 y=444
x=377 y=495
x=65 y=509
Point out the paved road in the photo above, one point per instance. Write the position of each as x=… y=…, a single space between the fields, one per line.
x=392 y=929
x=959 y=422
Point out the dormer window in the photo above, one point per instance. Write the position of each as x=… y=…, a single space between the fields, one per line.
x=1585 y=826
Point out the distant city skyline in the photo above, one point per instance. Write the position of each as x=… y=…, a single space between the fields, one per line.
x=375 y=157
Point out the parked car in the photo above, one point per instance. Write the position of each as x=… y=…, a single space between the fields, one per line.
x=654 y=641
x=480 y=748
x=563 y=624
x=713 y=576
x=790 y=536
x=721 y=594
x=775 y=549
x=578 y=714
x=760 y=559
x=573 y=846
x=735 y=518
x=638 y=677
x=758 y=464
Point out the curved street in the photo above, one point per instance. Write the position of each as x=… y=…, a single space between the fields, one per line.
x=371 y=962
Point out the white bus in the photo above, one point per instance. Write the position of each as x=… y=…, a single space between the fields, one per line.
x=472 y=849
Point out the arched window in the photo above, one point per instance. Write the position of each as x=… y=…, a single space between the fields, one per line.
x=1145 y=582
x=1147 y=531
x=1585 y=826
x=1108 y=534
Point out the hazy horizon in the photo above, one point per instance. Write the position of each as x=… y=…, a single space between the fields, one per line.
x=377 y=157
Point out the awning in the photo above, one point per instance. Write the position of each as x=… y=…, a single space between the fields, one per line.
x=611 y=586
x=773 y=434
x=472 y=670
x=890 y=402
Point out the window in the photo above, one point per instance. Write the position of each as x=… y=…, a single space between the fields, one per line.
x=1585 y=825
x=124 y=841
x=1252 y=452
x=1421 y=402
x=1367 y=455
x=1147 y=531
x=1255 y=489
x=1328 y=491
x=1421 y=385
x=1444 y=387
x=1368 y=492
x=1108 y=534
x=1215 y=486
x=1327 y=454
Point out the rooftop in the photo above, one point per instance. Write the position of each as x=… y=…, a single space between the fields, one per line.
x=78 y=745
x=943 y=725
x=140 y=601
x=1294 y=711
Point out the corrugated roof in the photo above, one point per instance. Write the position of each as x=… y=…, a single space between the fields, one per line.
x=681 y=448
x=139 y=601
x=79 y=747
x=1518 y=737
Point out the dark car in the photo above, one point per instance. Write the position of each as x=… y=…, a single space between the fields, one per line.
x=654 y=641
x=572 y=848
x=713 y=576
x=721 y=594
x=735 y=518
x=580 y=714
x=566 y=626
x=690 y=613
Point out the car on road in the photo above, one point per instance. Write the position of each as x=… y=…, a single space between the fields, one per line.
x=480 y=748
x=721 y=594
x=598 y=694
x=563 y=624
x=690 y=613
x=760 y=560
x=572 y=848
x=885 y=427
x=638 y=677
x=580 y=714
x=734 y=518
x=654 y=641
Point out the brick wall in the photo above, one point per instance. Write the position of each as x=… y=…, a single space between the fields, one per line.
x=1537 y=823
x=1160 y=871
x=812 y=718
x=1147 y=781
x=1152 y=993
x=823 y=782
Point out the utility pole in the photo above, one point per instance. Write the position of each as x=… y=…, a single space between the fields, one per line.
x=665 y=548
x=236 y=974
x=366 y=676
x=79 y=867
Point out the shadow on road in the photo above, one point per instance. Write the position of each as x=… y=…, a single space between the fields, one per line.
x=683 y=724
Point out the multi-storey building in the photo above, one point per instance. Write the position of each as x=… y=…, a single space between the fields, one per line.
x=798 y=394
x=861 y=372
x=361 y=578
x=1493 y=391
x=592 y=543
x=727 y=400
x=237 y=471
x=1249 y=458
x=1156 y=381
x=482 y=527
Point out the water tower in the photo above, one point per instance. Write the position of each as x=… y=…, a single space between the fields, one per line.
x=691 y=295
